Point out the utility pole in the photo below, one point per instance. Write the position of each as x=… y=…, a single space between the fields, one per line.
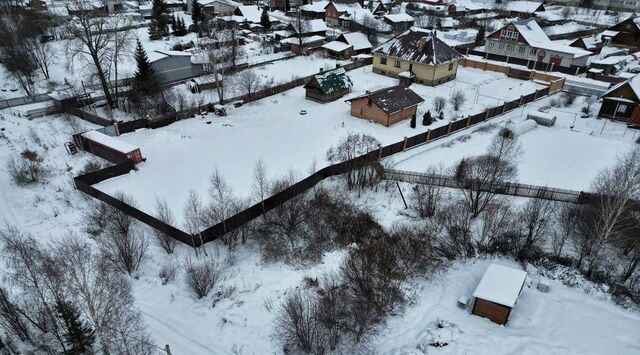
x=167 y=349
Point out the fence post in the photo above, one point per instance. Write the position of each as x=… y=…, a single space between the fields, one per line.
x=551 y=69
x=504 y=107
x=449 y=127
x=520 y=102
x=404 y=144
x=486 y=115
x=379 y=153
x=535 y=95
x=468 y=121
x=428 y=135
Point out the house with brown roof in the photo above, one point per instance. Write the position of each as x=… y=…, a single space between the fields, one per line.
x=386 y=106
x=626 y=33
x=417 y=55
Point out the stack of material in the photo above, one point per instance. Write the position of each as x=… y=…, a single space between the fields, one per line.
x=541 y=118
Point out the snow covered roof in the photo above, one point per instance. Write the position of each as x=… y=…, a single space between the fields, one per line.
x=358 y=40
x=317 y=6
x=633 y=82
x=501 y=285
x=251 y=12
x=562 y=48
x=393 y=99
x=110 y=142
x=346 y=5
x=336 y=46
x=305 y=40
x=523 y=6
x=315 y=25
x=419 y=46
x=333 y=80
x=398 y=18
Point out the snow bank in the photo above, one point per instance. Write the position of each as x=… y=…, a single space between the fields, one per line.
x=519 y=128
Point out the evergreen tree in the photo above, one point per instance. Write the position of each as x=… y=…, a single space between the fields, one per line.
x=182 y=28
x=159 y=25
x=196 y=12
x=413 y=121
x=264 y=19
x=145 y=80
x=480 y=35
x=78 y=335
x=174 y=24
x=461 y=170
x=426 y=118
x=441 y=115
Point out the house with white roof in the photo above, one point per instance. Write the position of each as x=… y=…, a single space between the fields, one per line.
x=314 y=10
x=622 y=102
x=215 y=7
x=497 y=293
x=347 y=45
x=399 y=22
x=524 y=9
x=525 y=39
x=336 y=10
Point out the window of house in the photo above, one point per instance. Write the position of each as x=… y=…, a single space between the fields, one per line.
x=501 y=46
x=509 y=47
x=450 y=66
x=521 y=49
x=490 y=44
x=397 y=64
x=622 y=108
x=533 y=51
x=383 y=60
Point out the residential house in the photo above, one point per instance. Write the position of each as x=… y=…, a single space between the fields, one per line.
x=622 y=102
x=215 y=8
x=525 y=39
x=338 y=8
x=174 y=66
x=498 y=292
x=302 y=44
x=314 y=10
x=593 y=44
x=347 y=45
x=419 y=55
x=386 y=106
x=399 y=22
x=307 y=28
x=628 y=33
x=328 y=86
x=378 y=8
x=523 y=9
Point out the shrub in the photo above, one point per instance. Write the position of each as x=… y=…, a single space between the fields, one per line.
x=201 y=276
x=168 y=271
x=439 y=103
x=458 y=99
x=569 y=98
x=91 y=166
x=297 y=326
x=27 y=169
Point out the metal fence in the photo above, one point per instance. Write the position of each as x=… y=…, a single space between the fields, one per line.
x=84 y=182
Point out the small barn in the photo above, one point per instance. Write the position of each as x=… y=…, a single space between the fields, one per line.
x=622 y=102
x=111 y=148
x=386 y=106
x=497 y=293
x=328 y=86
x=347 y=45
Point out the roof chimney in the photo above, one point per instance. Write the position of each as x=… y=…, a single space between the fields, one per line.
x=422 y=43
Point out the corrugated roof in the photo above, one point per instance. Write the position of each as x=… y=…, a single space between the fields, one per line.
x=407 y=46
x=333 y=80
x=393 y=99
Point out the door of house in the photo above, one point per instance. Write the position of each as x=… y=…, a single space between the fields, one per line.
x=555 y=60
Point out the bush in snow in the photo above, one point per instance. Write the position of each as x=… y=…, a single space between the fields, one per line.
x=458 y=99
x=365 y=172
x=164 y=214
x=28 y=168
x=426 y=119
x=298 y=328
x=168 y=271
x=439 y=103
x=201 y=276
x=569 y=98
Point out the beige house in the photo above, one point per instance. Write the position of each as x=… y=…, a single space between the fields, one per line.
x=417 y=55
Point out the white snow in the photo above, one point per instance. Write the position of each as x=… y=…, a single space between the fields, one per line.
x=500 y=284
x=336 y=46
x=108 y=141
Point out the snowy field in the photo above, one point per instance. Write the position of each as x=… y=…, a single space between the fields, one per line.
x=183 y=155
x=555 y=156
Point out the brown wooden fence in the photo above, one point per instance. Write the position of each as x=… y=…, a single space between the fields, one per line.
x=87 y=116
x=84 y=182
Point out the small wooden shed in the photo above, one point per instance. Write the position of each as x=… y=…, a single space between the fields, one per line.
x=497 y=293
x=111 y=148
x=386 y=106
x=328 y=86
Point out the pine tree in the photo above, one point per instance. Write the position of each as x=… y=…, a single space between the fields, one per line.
x=78 y=335
x=413 y=121
x=441 y=115
x=182 y=27
x=264 y=19
x=174 y=24
x=159 y=25
x=145 y=80
x=461 y=170
x=480 y=35
x=196 y=13
x=426 y=118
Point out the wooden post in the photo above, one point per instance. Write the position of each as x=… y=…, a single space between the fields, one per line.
x=535 y=95
x=577 y=70
x=117 y=128
x=520 y=102
x=167 y=349
x=404 y=144
x=486 y=115
x=507 y=59
x=468 y=121
x=551 y=69
x=504 y=107
x=379 y=153
x=428 y=135
x=402 y=195
x=449 y=128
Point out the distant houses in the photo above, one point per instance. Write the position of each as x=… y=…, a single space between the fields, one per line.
x=328 y=86
x=626 y=33
x=418 y=55
x=347 y=45
x=622 y=102
x=386 y=106
x=525 y=39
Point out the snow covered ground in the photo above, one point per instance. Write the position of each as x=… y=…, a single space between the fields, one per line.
x=183 y=155
x=555 y=156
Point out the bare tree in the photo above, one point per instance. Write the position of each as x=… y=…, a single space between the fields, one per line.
x=497 y=219
x=298 y=328
x=218 y=64
x=536 y=223
x=92 y=40
x=301 y=27
x=479 y=176
x=121 y=47
x=249 y=81
x=223 y=205
x=362 y=172
x=164 y=214
x=260 y=184
x=371 y=26
x=458 y=99
x=194 y=217
x=426 y=198
x=567 y=227
x=201 y=276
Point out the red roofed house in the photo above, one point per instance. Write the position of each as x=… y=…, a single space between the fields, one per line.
x=386 y=106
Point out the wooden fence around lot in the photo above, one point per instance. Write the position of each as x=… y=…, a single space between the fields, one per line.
x=84 y=182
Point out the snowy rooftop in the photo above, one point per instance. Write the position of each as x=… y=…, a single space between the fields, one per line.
x=501 y=285
x=398 y=17
x=357 y=39
x=533 y=34
x=336 y=46
x=317 y=6
x=523 y=6
x=408 y=46
x=107 y=141
x=305 y=40
x=633 y=82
